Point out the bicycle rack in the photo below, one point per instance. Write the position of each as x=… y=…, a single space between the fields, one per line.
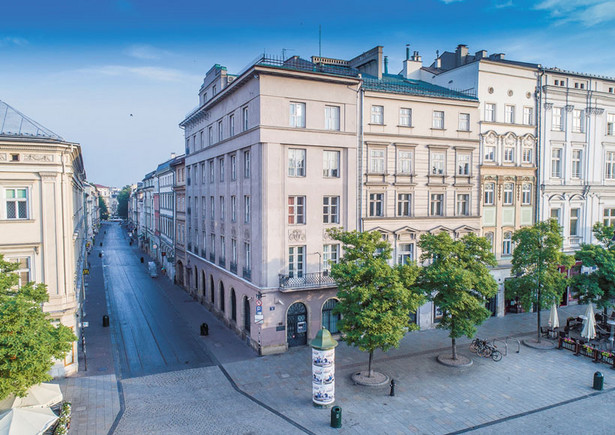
x=505 y=353
x=518 y=343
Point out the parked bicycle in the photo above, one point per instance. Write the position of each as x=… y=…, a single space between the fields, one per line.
x=477 y=345
x=485 y=349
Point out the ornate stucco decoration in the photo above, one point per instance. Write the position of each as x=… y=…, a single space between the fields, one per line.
x=37 y=157
x=490 y=138
x=569 y=108
x=529 y=140
x=296 y=235
x=233 y=232
x=246 y=234
x=3 y=157
x=510 y=139
x=595 y=110
x=548 y=106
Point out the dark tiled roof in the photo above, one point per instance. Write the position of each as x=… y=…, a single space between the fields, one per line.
x=15 y=124
x=397 y=84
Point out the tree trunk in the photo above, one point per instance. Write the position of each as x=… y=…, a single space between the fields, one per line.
x=454 y=349
x=538 y=312
x=370 y=372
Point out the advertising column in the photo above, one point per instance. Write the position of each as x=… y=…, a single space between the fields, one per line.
x=323 y=369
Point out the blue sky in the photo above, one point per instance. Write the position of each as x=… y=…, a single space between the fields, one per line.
x=81 y=68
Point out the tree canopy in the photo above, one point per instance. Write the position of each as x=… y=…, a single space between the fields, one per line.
x=375 y=298
x=599 y=285
x=537 y=258
x=29 y=341
x=122 y=202
x=458 y=281
x=104 y=211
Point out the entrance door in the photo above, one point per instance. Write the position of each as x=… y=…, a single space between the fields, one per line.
x=296 y=325
x=492 y=306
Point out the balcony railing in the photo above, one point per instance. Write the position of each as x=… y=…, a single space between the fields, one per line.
x=222 y=262
x=314 y=279
x=247 y=273
x=233 y=267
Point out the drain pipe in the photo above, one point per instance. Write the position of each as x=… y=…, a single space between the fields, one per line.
x=361 y=96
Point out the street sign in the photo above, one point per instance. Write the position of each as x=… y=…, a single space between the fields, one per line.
x=259 y=303
x=86 y=324
x=259 y=309
x=258 y=318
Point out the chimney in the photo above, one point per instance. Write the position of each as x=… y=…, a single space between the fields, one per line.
x=438 y=61
x=173 y=155
x=497 y=56
x=386 y=64
x=407 y=51
x=481 y=54
x=411 y=67
x=461 y=54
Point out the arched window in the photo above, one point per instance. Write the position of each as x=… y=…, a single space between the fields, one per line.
x=246 y=315
x=489 y=237
x=203 y=280
x=329 y=320
x=221 y=297
x=212 y=288
x=233 y=305
x=507 y=243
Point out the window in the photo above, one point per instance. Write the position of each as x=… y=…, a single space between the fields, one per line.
x=222 y=248
x=556 y=163
x=438 y=119
x=463 y=164
x=332 y=117
x=296 y=258
x=464 y=121
x=246 y=164
x=211 y=171
x=526 y=194
x=508 y=193
x=404 y=162
x=23 y=270
x=202 y=142
x=489 y=153
x=296 y=162
x=214 y=90
x=509 y=114
x=577 y=124
x=489 y=237
x=436 y=206
x=231 y=125
x=576 y=163
x=220 y=131
x=330 y=255
x=557 y=123
x=609 y=217
x=527 y=155
x=463 y=204
x=509 y=154
x=212 y=248
x=221 y=164
x=246 y=209
x=376 y=161
x=221 y=208
x=404 y=204
x=247 y=255
x=610 y=165
x=556 y=214
x=331 y=164
x=234 y=250
x=489 y=193
x=212 y=207
x=377 y=115
x=296 y=210
x=233 y=167
x=528 y=115
x=437 y=163
x=245 y=118
x=405 y=253
x=376 y=204
x=405 y=117
x=329 y=320
x=233 y=208
x=490 y=112
x=574 y=221
x=16 y=203
x=203 y=173
x=297 y=115
x=210 y=135
x=330 y=209
x=610 y=124
x=507 y=243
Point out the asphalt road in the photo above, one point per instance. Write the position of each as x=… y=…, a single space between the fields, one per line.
x=150 y=335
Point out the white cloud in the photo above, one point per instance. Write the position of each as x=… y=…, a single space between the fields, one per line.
x=451 y=1
x=145 y=52
x=13 y=40
x=148 y=72
x=587 y=12
x=503 y=4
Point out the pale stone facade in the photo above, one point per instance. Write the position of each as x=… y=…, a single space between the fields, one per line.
x=43 y=216
x=179 y=189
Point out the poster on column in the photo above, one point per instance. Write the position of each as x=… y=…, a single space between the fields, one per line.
x=323 y=376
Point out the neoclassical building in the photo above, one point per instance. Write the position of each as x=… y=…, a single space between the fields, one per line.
x=43 y=220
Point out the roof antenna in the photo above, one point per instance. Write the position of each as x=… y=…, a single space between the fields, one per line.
x=319 y=40
x=407 y=51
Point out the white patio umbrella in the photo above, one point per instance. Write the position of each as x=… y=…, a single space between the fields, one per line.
x=553 y=317
x=589 y=324
x=26 y=421
x=38 y=395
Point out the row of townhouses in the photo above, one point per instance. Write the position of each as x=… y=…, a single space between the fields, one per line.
x=288 y=148
x=48 y=218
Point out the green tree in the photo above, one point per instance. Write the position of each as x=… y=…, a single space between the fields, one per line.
x=104 y=211
x=535 y=267
x=375 y=298
x=598 y=286
x=122 y=202
x=458 y=281
x=28 y=340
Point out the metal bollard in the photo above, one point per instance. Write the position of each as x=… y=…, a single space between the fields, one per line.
x=142 y=260
x=392 y=393
x=100 y=243
x=598 y=381
x=204 y=329
x=336 y=417
x=105 y=321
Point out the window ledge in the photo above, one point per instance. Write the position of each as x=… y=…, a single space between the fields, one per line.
x=17 y=220
x=405 y=126
x=373 y=123
x=436 y=128
x=464 y=131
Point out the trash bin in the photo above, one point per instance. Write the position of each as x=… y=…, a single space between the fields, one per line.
x=105 y=321
x=204 y=329
x=336 y=417
x=598 y=381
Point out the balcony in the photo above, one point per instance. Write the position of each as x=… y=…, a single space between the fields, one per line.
x=247 y=273
x=307 y=280
x=222 y=262
x=212 y=257
x=234 y=267
x=203 y=254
